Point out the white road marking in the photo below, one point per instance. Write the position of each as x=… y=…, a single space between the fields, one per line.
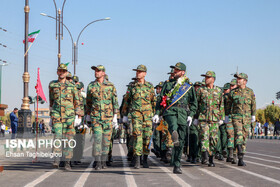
x=262 y=165
x=173 y=176
x=41 y=178
x=252 y=173
x=278 y=157
x=225 y=180
x=257 y=158
x=130 y=181
x=83 y=178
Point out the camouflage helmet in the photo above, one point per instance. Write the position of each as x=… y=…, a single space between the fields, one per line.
x=62 y=67
x=141 y=68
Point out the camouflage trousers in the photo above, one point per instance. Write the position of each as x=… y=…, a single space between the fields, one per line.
x=230 y=135
x=222 y=139
x=102 y=132
x=142 y=132
x=122 y=131
x=64 y=130
x=209 y=136
x=114 y=133
x=241 y=131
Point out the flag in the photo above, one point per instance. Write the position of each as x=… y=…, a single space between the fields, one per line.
x=39 y=88
x=32 y=36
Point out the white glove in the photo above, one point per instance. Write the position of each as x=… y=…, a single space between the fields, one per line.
x=155 y=119
x=115 y=118
x=189 y=120
x=221 y=122
x=195 y=122
x=77 y=121
x=115 y=125
x=125 y=119
x=253 y=119
x=226 y=120
x=88 y=118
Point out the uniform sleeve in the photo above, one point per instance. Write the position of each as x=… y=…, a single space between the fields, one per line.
x=196 y=116
x=222 y=108
x=115 y=101
x=78 y=105
x=192 y=102
x=153 y=99
x=88 y=100
x=51 y=96
x=126 y=102
x=253 y=104
x=228 y=104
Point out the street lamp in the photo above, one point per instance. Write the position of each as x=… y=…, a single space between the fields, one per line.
x=1 y=65
x=74 y=44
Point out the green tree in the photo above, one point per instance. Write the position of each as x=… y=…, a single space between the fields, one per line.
x=260 y=116
x=272 y=113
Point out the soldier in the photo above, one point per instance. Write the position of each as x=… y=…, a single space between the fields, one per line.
x=64 y=105
x=69 y=77
x=102 y=106
x=141 y=100
x=210 y=116
x=242 y=107
x=177 y=105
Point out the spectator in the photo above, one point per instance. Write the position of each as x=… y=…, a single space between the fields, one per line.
x=3 y=128
x=43 y=128
x=14 y=122
x=265 y=128
x=276 y=128
x=40 y=128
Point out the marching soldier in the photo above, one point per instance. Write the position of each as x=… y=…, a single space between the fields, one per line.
x=242 y=107
x=141 y=100
x=210 y=116
x=102 y=106
x=64 y=105
x=177 y=105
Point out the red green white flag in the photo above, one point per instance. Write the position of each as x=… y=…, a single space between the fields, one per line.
x=32 y=36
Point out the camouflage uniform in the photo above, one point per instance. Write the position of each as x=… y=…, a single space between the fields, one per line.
x=102 y=104
x=141 y=101
x=65 y=104
x=241 y=105
x=211 y=111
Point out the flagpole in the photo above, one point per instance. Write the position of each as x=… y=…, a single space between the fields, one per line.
x=30 y=45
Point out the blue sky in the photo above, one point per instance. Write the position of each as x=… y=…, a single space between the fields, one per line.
x=206 y=35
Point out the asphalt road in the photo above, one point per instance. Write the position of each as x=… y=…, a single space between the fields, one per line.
x=262 y=159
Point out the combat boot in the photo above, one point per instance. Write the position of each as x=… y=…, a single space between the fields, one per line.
x=240 y=160
x=129 y=156
x=98 y=163
x=145 y=162
x=163 y=157
x=110 y=159
x=103 y=161
x=230 y=155
x=211 y=162
x=234 y=159
x=204 y=157
x=177 y=170
x=169 y=154
x=175 y=138
x=193 y=161
x=141 y=160
x=189 y=158
x=67 y=166
x=221 y=158
x=62 y=164
x=133 y=161
x=137 y=162
x=55 y=163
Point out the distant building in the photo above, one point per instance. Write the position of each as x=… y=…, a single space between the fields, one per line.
x=44 y=113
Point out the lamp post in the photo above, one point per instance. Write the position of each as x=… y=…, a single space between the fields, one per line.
x=74 y=44
x=1 y=65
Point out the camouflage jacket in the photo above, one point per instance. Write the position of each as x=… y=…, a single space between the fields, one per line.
x=65 y=99
x=101 y=100
x=241 y=103
x=210 y=104
x=140 y=97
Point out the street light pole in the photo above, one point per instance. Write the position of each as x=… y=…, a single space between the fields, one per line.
x=1 y=65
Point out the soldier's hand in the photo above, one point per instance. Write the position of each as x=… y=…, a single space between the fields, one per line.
x=155 y=119
x=115 y=118
x=195 y=122
x=77 y=121
x=253 y=119
x=189 y=120
x=226 y=120
x=125 y=119
x=221 y=122
x=115 y=125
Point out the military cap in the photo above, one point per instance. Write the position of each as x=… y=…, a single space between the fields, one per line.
x=62 y=67
x=69 y=75
x=233 y=82
x=81 y=85
x=141 y=68
x=197 y=83
x=172 y=71
x=209 y=74
x=106 y=77
x=226 y=86
x=75 y=78
x=99 y=67
x=203 y=81
x=180 y=66
x=241 y=76
x=160 y=84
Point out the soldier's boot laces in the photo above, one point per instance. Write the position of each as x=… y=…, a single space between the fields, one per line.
x=204 y=158
x=211 y=161
x=230 y=155
x=145 y=162
x=67 y=166
x=175 y=138
x=137 y=162
x=240 y=160
x=103 y=162
x=177 y=170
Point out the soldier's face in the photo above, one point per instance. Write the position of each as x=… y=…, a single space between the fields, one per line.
x=62 y=73
x=241 y=82
x=209 y=80
x=233 y=86
x=178 y=73
x=158 y=90
x=226 y=91
x=140 y=74
x=99 y=73
x=196 y=87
